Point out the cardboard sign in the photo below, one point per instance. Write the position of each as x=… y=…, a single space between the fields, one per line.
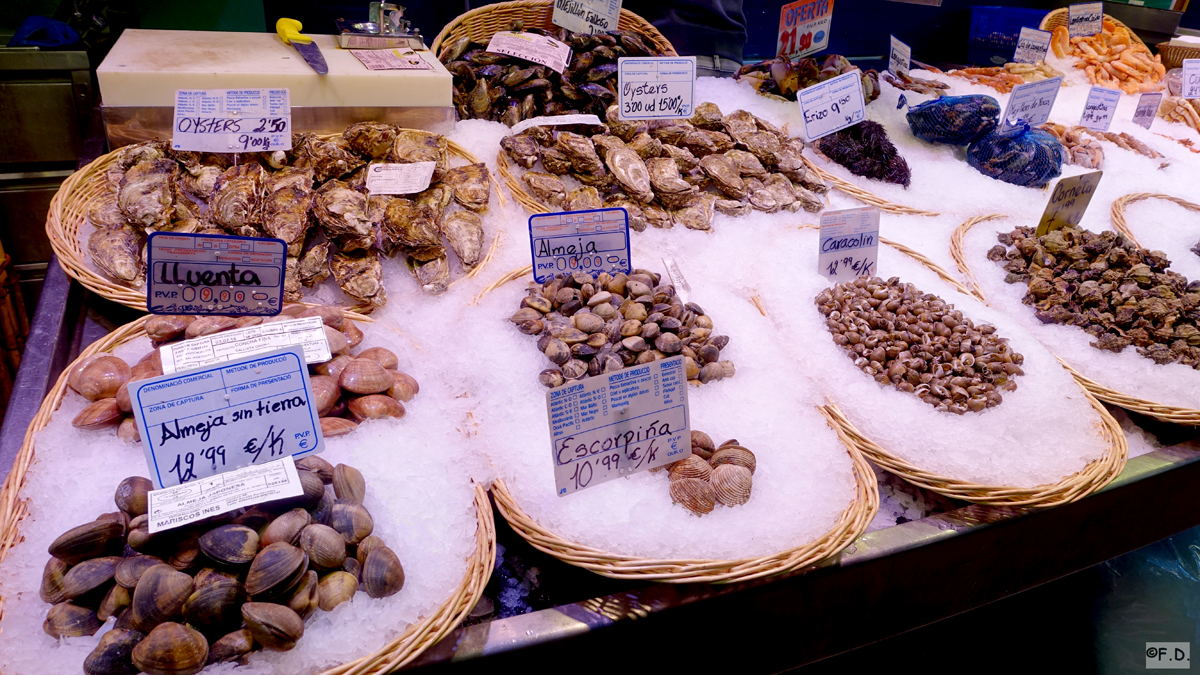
x=1032 y=46
x=1100 y=108
x=1031 y=103
x=214 y=274
x=655 y=88
x=618 y=424
x=177 y=506
x=832 y=105
x=203 y=422
x=586 y=16
x=553 y=121
x=540 y=49
x=1190 y=87
x=307 y=333
x=232 y=120
x=592 y=241
x=1085 y=19
x=1147 y=109
x=899 y=57
x=849 y=245
x=1068 y=201
x=804 y=27
x=399 y=179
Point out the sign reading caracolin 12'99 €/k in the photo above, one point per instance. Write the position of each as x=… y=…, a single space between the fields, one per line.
x=832 y=105
x=804 y=27
x=214 y=274
x=232 y=120
x=579 y=241
x=618 y=423
x=655 y=88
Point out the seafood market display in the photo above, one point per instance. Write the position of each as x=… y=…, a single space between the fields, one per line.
x=1112 y=58
x=907 y=82
x=1083 y=147
x=1180 y=110
x=866 y=150
x=1105 y=284
x=782 y=77
x=313 y=197
x=670 y=171
x=349 y=389
x=1004 y=78
x=712 y=475
x=919 y=344
x=588 y=326
x=507 y=89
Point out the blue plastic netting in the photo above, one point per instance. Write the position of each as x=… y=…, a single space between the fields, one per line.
x=1021 y=156
x=957 y=120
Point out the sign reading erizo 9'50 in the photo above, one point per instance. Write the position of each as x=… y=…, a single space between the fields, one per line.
x=215 y=274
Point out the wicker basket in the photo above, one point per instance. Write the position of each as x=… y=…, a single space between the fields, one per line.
x=418 y=637
x=480 y=23
x=69 y=209
x=1165 y=413
x=1059 y=17
x=1118 y=210
x=1173 y=56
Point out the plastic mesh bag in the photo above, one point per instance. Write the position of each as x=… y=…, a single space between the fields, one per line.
x=957 y=120
x=1021 y=156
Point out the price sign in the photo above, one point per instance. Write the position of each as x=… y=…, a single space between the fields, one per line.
x=214 y=274
x=573 y=241
x=390 y=59
x=832 y=105
x=804 y=27
x=307 y=333
x=655 y=88
x=1085 y=19
x=1068 y=202
x=203 y=422
x=1100 y=108
x=177 y=506
x=399 y=179
x=232 y=120
x=540 y=49
x=1147 y=109
x=586 y=16
x=1032 y=45
x=618 y=424
x=1031 y=103
x=1191 y=79
x=899 y=58
x=849 y=245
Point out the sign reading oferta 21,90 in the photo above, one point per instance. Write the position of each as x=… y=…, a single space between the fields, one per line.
x=804 y=27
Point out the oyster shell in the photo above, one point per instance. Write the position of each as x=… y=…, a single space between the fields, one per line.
x=360 y=276
x=285 y=215
x=646 y=146
x=412 y=146
x=464 y=231
x=631 y=172
x=289 y=177
x=235 y=201
x=293 y=290
x=683 y=157
x=699 y=215
x=732 y=208
x=314 y=264
x=342 y=214
x=546 y=187
x=637 y=216
x=411 y=227
x=472 y=186
x=555 y=161
x=198 y=185
x=147 y=194
x=583 y=198
x=433 y=275
x=523 y=149
x=704 y=142
x=769 y=150
x=146 y=151
x=739 y=124
x=666 y=181
x=117 y=252
x=580 y=151
x=328 y=158
x=105 y=212
x=782 y=189
x=605 y=144
x=746 y=163
x=658 y=217
x=724 y=175
x=437 y=197
x=708 y=116
x=373 y=139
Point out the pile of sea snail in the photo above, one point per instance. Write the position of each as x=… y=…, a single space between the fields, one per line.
x=712 y=475
x=218 y=589
x=920 y=344
x=589 y=325
x=347 y=389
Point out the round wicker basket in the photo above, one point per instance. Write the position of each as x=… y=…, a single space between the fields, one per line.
x=1173 y=56
x=480 y=23
x=414 y=640
x=1119 y=205
x=1165 y=413
x=1059 y=18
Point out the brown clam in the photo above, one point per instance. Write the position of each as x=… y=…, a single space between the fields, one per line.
x=365 y=546
x=325 y=393
x=74 y=376
x=114 y=654
x=88 y=576
x=131 y=496
x=354 y=567
x=691 y=466
x=381 y=355
x=404 y=386
x=115 y=601
x=318 y=466
x=353 y=333
x=731 y=484
x=365 y=376
x=693 y=494
x=99 y=415
x=215 y=609
x=336 y=426
x=314 y=490
x=90 y=540
x=333 y=367
x=351 y=519
x=330 y=316
x=325 y=546
x=102 y=377
x=733 y=454
x=303 y=599
x=230 y=544
x=275 y=627
x=159 y=596
x=336 y=588
x=211 y=575
x=130 y=570
x=171 y=649
x=67 y=620
x=338 y=342
x=274 y=570
x=382 y=574
x=167 y=327
x=186 y=552
x=375 y=406
x=232 y=646
x=52 y=575
x=208 y=325
x=349 y=483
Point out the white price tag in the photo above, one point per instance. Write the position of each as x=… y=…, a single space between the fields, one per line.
x=655 y=88
x=553 y=121
x=579 y=241
x=1068 y=202
x=1147 y=109
x=307 y=333
x=200 y=423
x=899 y=58
x=391 y=59
x=1100 y=108
x=586 y=16
x=804 y=27
x=832 y=105
x=849 y=244
x=1191 y=79
x=618 y=424
x=232 y=120
x=1085 y=19
x=682 y=288
x=177 y=506
x=1031 y=103
x=539 y=49
x=1032 y=46
x=399 y=179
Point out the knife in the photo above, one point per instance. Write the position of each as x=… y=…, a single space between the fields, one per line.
x=289 y=32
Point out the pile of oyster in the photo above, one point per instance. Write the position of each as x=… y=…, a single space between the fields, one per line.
x=348 y=389
x=783 y=77
x=215 y=590
x=668 y=171
x=712 y=474
x=313 y=197
x=1107 y=285
x=506 y=89
x=918 y=343
x=588 y=325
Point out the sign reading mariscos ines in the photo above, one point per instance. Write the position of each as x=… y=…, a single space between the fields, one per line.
x=214 y=274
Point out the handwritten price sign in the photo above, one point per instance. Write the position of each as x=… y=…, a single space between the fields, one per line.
x=804 y=27
x=849 y=243
x=232 y=120
x=1068 y=202
x=1100 y=107
x=832 y=105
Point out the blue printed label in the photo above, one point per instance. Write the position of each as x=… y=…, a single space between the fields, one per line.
x=215 y=274
x=579 y=241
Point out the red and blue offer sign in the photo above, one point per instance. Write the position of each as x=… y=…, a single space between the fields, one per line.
x=804 y=27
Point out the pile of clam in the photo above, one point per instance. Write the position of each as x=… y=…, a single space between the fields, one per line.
x=920 y=344
x=669 y=171
x=589 y=325
x=218 y=589
x=712 y=474
x=348 y=389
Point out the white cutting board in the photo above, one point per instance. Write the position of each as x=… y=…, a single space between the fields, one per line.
x=145 y=67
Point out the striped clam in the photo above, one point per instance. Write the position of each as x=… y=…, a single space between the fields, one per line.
x=712 y=475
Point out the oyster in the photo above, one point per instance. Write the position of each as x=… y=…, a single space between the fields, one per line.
x=411 y=227
x=555 y=161
x=235 y=201
x=658 y=217
x=413 y=146
x=342 y=214
x=522 y=149
x=646 y=146
x=437 y=197
x=293 y=290
x=583 y=199
x=285 y=215
x=314 y=265
x=739 y=124
x=360 y=276
x=105 y=212
x=146 y=151
x=630 y=171
x=147 y=196
x=767 y=148
x=580 y=151
x=472 y=186
x=764 y=200
x=699 y=215
x=373 y=139
x=666 y=181
x=724 y=175
x=708 y=116
x=704 y=142
x=546 y=187
x=732 y=208
x=289 y=177
x=464 y=231
x=637 y=216
x=198 y=185
x=746 y=163
x=328 y=158
x=117 y=252
x=782 y=189
x=432 y=275
x=683 y=157
x=605 y=144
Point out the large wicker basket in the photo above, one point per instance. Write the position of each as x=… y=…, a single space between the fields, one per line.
x=1119 y=205
x=1173 y=56
x=1059 y=17
x=414 y=640
x=480 y=23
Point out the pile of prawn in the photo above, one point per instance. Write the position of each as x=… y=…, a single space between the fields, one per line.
x=1112 y=58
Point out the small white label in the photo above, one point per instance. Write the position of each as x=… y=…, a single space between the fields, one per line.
x=1031 y=103
x=1191 y=78
x=1085 y=19
x=307 y=333
x=592 y=241
x=1032 y=46
x=391 y=59
x=655 y=88
x=1100 y=108
x=832 y=105
x=849 y=244
x=1168 y=656
x=682 y=288
x=554 y=121
x=540 y=49
x=804 y=27
x=232 y=120
x=619 y=423
x=399 y=179
x=1068 y=202
x=900 y=57
x=586 y=16
x=177 y=506
x=1147 y=109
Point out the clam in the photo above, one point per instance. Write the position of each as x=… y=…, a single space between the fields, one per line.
x=325 y=546
x=114 y=654
x=215 y=609
x=691 y=466
x=733 y=454
x=75 y=374
x=320 y=512
x=384 y=357
x=232 y=646
x=67 y=620
x=209 y=325
x=330 y=316
x=382 y=574
x=274 y=570
x=211 y=575
x=404 y=386
x=90 y=540
x=351 y=519
x=337 y=340
x=186 y=552
x=318 y=466
x=167 y=327
x=128 y=431
x=325 y=394
x=171 y=649
x=365 y=376
x=275 y=627
x=375 y=406
x=694 y=494
x=702 y=445
x=303 y=599
x=131 y=496
x=354 y=567
x=230 y=544
x=353 y=333
x=130 y=570
x=365 y=546
x=88 y=576
x=336 y=588
x=159 y=596
x=333 y=367
x=731 y=484
x=256 y=518
x=314 y=490
x=336 y=426
x=99 y=415
x=117 y=600
x=349 y=483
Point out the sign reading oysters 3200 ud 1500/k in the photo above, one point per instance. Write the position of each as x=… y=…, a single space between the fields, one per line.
x=215 y=274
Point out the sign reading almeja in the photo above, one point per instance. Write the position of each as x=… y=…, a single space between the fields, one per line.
x=591 y=241
x=232 y=120
x=207 y=421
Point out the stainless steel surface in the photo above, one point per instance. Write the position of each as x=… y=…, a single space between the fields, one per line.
x=47 y=96
x=386 y=28
x=311 y=54
x=23 y=206
x=36 y=59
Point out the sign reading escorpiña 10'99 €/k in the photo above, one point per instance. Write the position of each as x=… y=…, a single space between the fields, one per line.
x=618 y=423
x=232 y=120
x=832 y=105
x=214 y=274
x=591 y=241
x=804 y=27
x=655 y=87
